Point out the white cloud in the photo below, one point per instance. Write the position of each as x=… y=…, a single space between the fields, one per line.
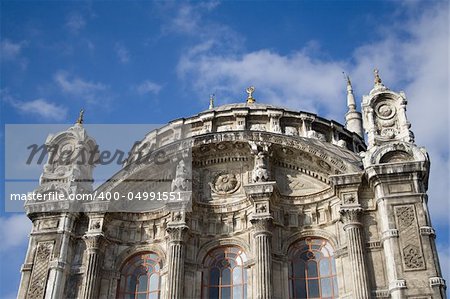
x=42 y=108
x=148 y=87
x=75 y=22
x=14 y=231
x=186 y=18
x=412 y=54
x=39 y=108
x=92 y=92
x=11 y=50
x=122 y=53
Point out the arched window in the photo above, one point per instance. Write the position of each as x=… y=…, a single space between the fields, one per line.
x=225 y=276
x=312 y=270
x=140 y=277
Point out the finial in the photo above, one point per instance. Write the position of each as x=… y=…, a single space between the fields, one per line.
x=347 y=78
x=80 y=117
x=377 y=77
x=211 y=101
x=250 y=90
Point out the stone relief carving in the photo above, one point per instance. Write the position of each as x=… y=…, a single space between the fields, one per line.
x=409 y=237
x=413 y=257
x=294 y=183
x=260 y=172
x=386 y=119
x=182 y=176
x=225 y=184
x=405 y=216
x=40 y=270
x=291 y=131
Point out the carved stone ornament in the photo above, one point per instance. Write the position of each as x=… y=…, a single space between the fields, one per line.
x=413 y=257
x=40 y=270
x=351 y=215
x=182 y=176
x=225 y=184
x=405 y=216
x=260 y=172
x=261 y=224
x=177 y=233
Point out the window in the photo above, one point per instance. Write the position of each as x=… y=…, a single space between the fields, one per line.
x=312 y=270
x=225 y=276
x=140 y=277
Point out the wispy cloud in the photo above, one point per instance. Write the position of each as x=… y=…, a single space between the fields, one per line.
x=186 y=17
x=75 y=22
x=122 y=53
x=40 y=108
x=12 y=52
x=77 y=87
x=148 y=87
x=14 y=231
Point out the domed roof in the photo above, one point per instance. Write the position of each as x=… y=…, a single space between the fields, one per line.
x=244 y=105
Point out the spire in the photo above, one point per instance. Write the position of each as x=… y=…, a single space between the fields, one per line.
x=351 y=104
x=211 y=101
x=250 y=90
x=80 y=119
x=353 y=119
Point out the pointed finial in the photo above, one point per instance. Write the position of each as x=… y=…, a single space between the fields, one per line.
x=80 y=117
x=347 y=79
x=211 y=101
x=250 y=90
x=377 y=80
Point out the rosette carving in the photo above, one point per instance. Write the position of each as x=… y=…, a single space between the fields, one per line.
x=225 y=183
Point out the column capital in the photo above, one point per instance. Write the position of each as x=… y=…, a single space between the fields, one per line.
x=262 y=224
x=94 y=242
x=177 y=232
x=351 y=215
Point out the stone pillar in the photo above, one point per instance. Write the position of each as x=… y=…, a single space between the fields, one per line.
x=347 y=187
x=57 y=267
x=93 y=244
x=175 y=280
x=260 y=195
x=263 y=244
x=355 y=247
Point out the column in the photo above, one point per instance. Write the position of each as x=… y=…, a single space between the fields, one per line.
x=175 y=279
x=93 y=244
x=58 y=266
x=263 y=244
x=355 y=247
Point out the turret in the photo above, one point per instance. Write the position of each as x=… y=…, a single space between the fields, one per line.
x=353 y=118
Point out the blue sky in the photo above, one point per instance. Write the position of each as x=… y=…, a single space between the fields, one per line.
x=150 y=62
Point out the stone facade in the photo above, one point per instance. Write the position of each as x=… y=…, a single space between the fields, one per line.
x=263 y=178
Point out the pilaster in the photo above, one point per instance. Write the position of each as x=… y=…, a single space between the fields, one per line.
x=177 y=233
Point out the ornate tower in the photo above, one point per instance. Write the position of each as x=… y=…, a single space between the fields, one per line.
x=67 y=173
x=397 y=172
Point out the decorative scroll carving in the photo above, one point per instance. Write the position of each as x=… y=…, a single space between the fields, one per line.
x=409 y=237
x=413 y=257
x=40 y=270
